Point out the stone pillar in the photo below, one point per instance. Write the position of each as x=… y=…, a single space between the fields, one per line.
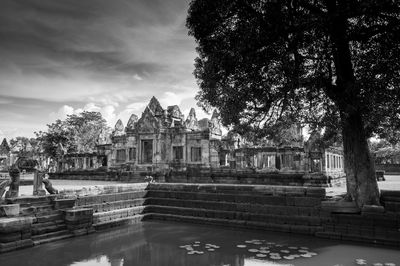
x=38 y=183
x=14 y=186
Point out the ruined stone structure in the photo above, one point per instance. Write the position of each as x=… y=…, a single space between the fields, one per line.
x=162 y=140
x=4 y=155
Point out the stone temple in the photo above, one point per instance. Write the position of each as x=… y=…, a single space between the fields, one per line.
x=162 y=137
x=162 y=140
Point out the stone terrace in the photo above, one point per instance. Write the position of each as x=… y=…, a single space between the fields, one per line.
x=304 y=210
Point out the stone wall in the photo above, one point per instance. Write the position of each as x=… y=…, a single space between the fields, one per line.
x=29 y=221
x=371 y=224
x=278 y=208
x=42 y=219
x=200 y=174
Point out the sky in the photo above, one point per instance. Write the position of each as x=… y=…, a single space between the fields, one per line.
x=65 y=56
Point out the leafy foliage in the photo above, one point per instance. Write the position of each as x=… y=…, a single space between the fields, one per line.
x=326 y=63
x=266 y=61
x=77 y=133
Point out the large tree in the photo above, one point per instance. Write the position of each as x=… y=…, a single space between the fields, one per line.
x=322 y=62
x=77 y=133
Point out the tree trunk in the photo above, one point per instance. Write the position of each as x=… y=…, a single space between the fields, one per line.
x=362 y=186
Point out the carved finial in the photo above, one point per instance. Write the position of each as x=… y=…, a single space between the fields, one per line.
x=191 y=122
x=155 y=106
x=215 y=125
x=132 y=121
x=4 y=147
x=118 y=128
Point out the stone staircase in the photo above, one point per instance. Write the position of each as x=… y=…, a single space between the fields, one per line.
x=278 y=208
x=114 y=209
x=48 y=223
x=370 y=224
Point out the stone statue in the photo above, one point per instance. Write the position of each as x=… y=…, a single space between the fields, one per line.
x=49 y=186
x=37 y=183
x=3 y=185
x=14 y=185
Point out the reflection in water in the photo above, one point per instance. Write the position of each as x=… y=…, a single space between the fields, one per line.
x=100 y=261
x=160 y=244
x=255 y=262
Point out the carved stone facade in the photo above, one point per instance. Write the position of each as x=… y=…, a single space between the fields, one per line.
x=162 y=138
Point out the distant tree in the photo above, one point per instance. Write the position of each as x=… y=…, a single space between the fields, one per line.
x=325 y=63
x=57 y=132
x=384 y=151
x=86 y=128
x=77 y=133
x=21 y=145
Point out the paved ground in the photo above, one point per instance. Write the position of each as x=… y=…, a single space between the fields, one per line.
x=392 y=182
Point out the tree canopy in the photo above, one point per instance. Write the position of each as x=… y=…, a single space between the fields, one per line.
x=77 y=133
x=262 y=61
x=324 y=63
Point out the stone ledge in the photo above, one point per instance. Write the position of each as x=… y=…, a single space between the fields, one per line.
x=9 y=210
x=8 y=225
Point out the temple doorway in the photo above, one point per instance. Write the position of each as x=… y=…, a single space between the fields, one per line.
x=147 y=151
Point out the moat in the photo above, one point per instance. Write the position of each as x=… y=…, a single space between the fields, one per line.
x=162 y=243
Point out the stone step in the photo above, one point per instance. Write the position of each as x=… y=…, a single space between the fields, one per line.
x=232 y=215
x=51 y=237
x=103 y=198
x=35 y=209
x=239 y=207
x=39 y=229
x=101 y=217
x=121 y=204
x=392 y=206
x=119 y=222
x=240 y=189
x=240 y=198
x=31 y=200
x=257 y=225
x=378 y=240
x=42 y=217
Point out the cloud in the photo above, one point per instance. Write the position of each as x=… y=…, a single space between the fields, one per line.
x=70 y=51
x=61 y=113
x=137 y=77
x=65 y=56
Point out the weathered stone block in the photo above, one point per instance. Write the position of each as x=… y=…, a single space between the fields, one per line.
x=9 y=210
x=78 y=214
x=340 y=207
x=307 y=202
x=14 y=224
x=372 y=209
x=392 y=206
x=10 y=237
x=60 y=204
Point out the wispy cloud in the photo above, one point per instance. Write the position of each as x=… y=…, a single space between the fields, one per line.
x=110 y=54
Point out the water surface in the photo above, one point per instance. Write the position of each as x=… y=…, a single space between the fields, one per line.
x=166 y=244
